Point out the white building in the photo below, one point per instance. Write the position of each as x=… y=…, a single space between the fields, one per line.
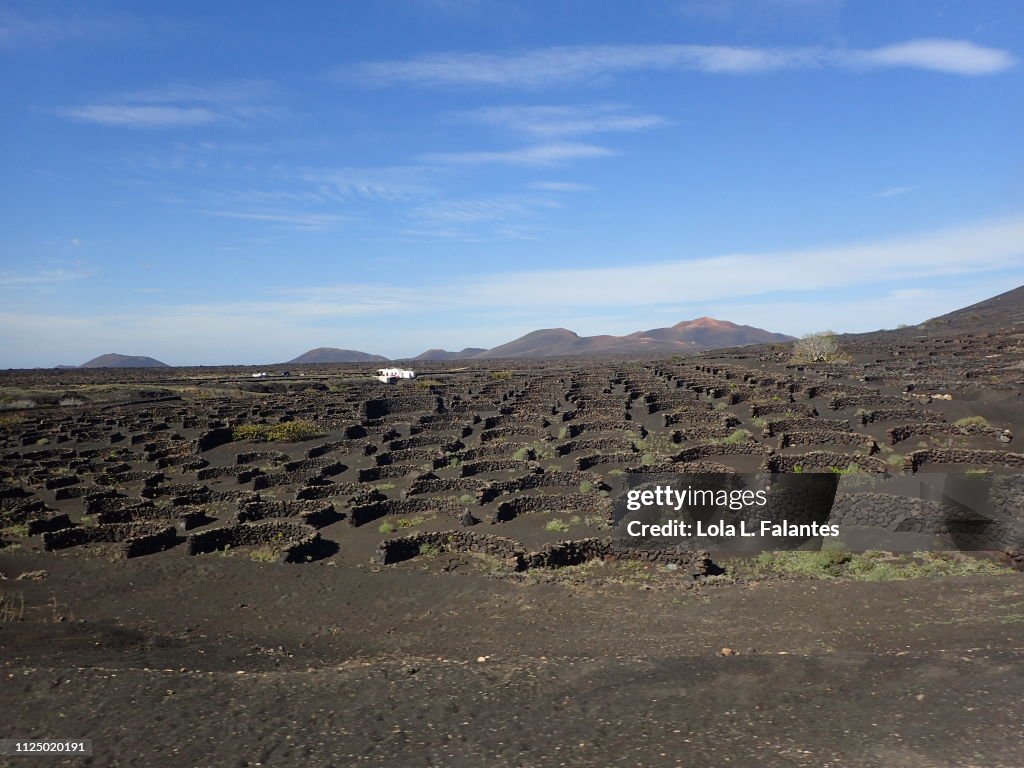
x=391 y=375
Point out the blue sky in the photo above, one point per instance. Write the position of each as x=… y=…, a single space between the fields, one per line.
x=239 y=182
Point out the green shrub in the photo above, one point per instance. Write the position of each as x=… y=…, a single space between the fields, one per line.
x=250 y=432
x=971 y=421
x=879 y=566
x=657 y=445
x=542 y=450
x=293 y=431
x=819 y=348
x=823 y=564
x=264 y=555
x=285 y=432
x=738 y=437
x=557 y=525
x=851 y=469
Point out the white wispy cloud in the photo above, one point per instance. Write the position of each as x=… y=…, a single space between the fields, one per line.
x=977 y=248
x=894 y=191
x=180 y=105
x=973 y=249
x=300 y=220
x=469 y=211
x=480 y=210
x=388 y=183
x=17 y=30
x=564 y=120
x=131 y=116
x=560 y=186
x=536 y=155
x=958 y=57
x=566 y=65
x=41 y=278
x=478 y=220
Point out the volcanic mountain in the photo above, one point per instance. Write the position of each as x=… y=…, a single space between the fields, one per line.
x=335 y=355
x=113 y=360
x=687 y=337
x=1003 y=312
x=444 y=354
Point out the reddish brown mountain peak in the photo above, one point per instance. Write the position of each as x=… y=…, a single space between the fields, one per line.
x=706 y=322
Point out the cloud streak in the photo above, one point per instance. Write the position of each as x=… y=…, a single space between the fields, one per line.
x=536 y=155
x=971 y=249
x=967 y=250
x=180 y=105
x=550 y=122
x=42 y=278
x=18 y=31
x=955 y=57
x=568 y=65
x=894 y=191
x=560 y=186
x=387 y=184
x=307 y=221
x=130 y=116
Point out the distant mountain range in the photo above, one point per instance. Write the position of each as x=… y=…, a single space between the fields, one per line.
x=113 y=360
x=1002 y=313
x=687 y=337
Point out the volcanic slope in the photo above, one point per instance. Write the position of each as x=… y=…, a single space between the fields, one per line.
x=686 y=337
x=335 y=355
x=114 y=360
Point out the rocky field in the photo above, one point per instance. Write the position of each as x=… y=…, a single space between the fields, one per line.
x=203 y=568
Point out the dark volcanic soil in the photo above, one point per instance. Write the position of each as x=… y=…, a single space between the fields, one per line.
x=145 y=603
x=172 y=661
